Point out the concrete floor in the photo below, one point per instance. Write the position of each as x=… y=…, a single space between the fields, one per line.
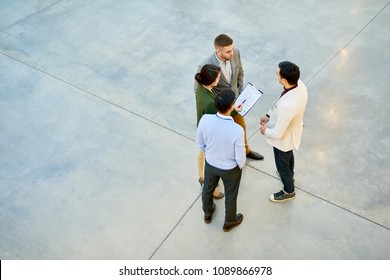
x=97 y=121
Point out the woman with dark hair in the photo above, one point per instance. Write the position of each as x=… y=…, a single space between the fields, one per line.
x=207 y=78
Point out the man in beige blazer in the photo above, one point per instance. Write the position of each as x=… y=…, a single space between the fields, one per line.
x=232 y=77
x=283 y=126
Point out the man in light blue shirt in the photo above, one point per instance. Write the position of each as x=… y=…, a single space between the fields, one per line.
x=222 y=140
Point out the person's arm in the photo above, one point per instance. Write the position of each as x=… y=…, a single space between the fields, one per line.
x=285 y=115
x=240 y=76
x=263 y=123
x=264 y=119
x=199 y=136
x=239 y=150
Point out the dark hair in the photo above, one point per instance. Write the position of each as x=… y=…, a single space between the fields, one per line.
x=208 y=74
x=289 y=71
x=224 y=100
x=223 y=40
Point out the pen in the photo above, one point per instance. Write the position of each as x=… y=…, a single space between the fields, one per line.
x=243 y=101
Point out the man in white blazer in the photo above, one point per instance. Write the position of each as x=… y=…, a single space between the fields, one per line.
x=232 y=77
x=283 y=126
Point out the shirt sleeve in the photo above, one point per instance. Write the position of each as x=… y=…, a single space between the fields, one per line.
x=240 y=76
x=239 y=150
x=199 y=136
x=284 y=117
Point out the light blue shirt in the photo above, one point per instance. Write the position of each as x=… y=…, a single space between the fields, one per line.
x=222 y=140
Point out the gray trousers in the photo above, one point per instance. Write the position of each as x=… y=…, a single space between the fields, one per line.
x=231 y=180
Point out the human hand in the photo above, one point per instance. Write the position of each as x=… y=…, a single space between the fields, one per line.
x=238 y=108
x=264 y=120
x=263 y=128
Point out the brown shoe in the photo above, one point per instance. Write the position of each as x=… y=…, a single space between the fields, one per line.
x=220 y=195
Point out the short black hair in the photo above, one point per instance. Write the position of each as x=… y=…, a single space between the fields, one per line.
x=224 y=100
x=289 y=71
x=223 y=40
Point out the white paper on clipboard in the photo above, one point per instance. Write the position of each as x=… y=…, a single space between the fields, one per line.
x=248 y=97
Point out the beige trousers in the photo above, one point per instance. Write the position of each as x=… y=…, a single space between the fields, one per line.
x=201 y=164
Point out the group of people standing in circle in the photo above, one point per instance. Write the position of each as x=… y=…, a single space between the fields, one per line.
x=221 y=133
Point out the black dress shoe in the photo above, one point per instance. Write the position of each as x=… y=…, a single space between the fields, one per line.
x=254 y=155
x=237 y=221
x=208 y=217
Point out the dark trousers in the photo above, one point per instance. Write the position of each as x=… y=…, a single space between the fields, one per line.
x=231 y=181
x=285 y=165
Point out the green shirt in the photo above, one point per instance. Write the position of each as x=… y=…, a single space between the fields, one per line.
x=205 y=103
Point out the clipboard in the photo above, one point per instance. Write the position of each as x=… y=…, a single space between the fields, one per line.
x=248 y=98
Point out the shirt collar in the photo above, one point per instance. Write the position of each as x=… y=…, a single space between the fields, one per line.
x=287 y=90
x=224 y=117
x=219 y=60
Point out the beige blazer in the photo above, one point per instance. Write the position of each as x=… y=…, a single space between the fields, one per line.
x=285 y=125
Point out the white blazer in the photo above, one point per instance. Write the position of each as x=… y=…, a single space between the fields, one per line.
x=285 y=125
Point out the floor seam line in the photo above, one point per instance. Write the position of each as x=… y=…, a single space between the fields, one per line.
x=323 y=199
x=348 y=43
x=29 y=16
x=96 y=96
x=169 y=234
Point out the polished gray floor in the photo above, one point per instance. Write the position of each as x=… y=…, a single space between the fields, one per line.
x=97 y=122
